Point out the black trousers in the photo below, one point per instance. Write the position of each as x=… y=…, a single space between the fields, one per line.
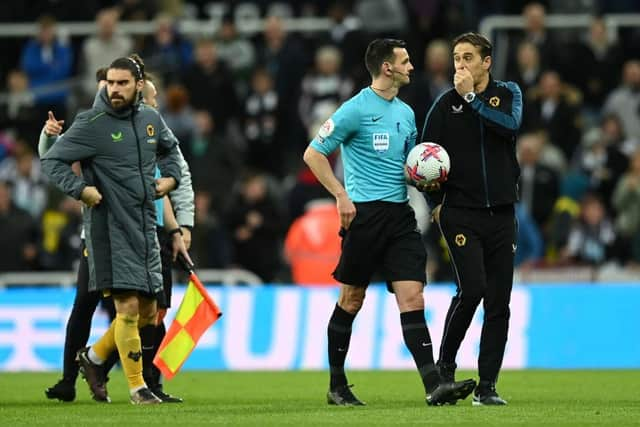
x=79 y=323
x=481 y=245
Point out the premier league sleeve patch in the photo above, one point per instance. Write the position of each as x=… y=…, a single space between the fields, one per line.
x=325 y=130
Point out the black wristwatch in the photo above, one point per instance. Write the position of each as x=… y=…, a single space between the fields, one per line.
x=174 y=231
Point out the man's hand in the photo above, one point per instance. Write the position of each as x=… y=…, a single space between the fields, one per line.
x=427 y=186
x=346 y=209
x=164 y=186
x=90 y=196
x=186 y=237
x=463 y=81
x=178 y=246
x=53 y=127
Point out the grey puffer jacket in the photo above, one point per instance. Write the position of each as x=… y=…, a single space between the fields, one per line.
x=118 y=150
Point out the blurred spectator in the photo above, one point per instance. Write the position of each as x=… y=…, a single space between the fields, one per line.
x=565 y=212
x=528 y=69
x=539 y=185
x=237 y=52
x=167 y=53
x=435 y=79
x=625 y=100
x=256 y=224
x=613 y=132
x=211 y=246
x=550 y=155
x=7 y=144
x=592 y=237
x=626 y=201
x=209 y=83
x=101 y=48
x=529 y=243
x=312 y=244
x=598 y=60
x=345 y=33
x=535 y=32
x=48 y=62
x=19 y=234
x=283 y=57
x=179 y=116
x=138 y=10
x=324 y=88
x=61 y=236
x=264 y=150
x=215 y=162
x=28 y=183
x=18 y=114
x=554 y=107
x=601 y=161
x=383 y=17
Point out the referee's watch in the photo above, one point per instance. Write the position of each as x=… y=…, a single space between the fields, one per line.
x=469 y=97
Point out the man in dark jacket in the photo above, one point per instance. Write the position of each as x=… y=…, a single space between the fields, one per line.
x=476 y=122
x=117 y=143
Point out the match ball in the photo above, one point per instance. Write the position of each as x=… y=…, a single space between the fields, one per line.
x=428 y=161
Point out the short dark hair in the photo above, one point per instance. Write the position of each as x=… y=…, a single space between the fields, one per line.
x=379 y=51
x=132 y=63
x=101 y=74
x=477 y=40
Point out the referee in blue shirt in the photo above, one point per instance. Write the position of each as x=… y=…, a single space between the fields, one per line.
x=375 y=130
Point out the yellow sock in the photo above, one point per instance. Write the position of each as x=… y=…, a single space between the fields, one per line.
x=106 y=344
x=127 y=340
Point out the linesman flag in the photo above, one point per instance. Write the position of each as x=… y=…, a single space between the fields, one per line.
x=197 y=312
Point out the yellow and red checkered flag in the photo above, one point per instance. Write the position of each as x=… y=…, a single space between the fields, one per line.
x=197 y=312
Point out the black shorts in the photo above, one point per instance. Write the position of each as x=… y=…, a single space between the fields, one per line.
x=384 y=238
x=166 y=258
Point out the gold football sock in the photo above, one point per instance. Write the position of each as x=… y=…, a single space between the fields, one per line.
x=106 y=344
x=128 y=342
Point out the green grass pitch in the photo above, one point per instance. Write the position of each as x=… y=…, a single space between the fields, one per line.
x=577 y=398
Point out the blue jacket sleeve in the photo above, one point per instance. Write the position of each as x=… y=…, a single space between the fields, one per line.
x=505 y=120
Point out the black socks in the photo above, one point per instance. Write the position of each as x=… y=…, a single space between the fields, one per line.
x=339 y=334
x=418 y=341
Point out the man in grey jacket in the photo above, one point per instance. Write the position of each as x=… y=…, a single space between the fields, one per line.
x=117 y=143
x=85 y=303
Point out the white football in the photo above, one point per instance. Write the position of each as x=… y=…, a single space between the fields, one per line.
x=428 y=161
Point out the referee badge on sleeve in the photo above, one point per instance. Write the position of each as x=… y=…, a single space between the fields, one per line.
x=461 y=239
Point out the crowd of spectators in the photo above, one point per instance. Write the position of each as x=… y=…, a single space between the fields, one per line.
x=245 y=106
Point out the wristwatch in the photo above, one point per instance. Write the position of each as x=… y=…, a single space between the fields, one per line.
x=469 y=97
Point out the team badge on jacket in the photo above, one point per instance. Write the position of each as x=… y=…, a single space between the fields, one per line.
x=150 y=130
x=461 y=239
x=494 y=101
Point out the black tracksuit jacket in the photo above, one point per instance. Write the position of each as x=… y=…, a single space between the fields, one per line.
x=480 y=140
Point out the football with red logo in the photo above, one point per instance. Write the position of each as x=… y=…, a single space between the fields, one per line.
x=428 y=161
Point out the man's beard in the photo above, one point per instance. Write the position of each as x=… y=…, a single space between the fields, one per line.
x=123 y=103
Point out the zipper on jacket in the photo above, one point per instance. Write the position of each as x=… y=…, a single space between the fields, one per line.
x=484 y=165
x=144 y=201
